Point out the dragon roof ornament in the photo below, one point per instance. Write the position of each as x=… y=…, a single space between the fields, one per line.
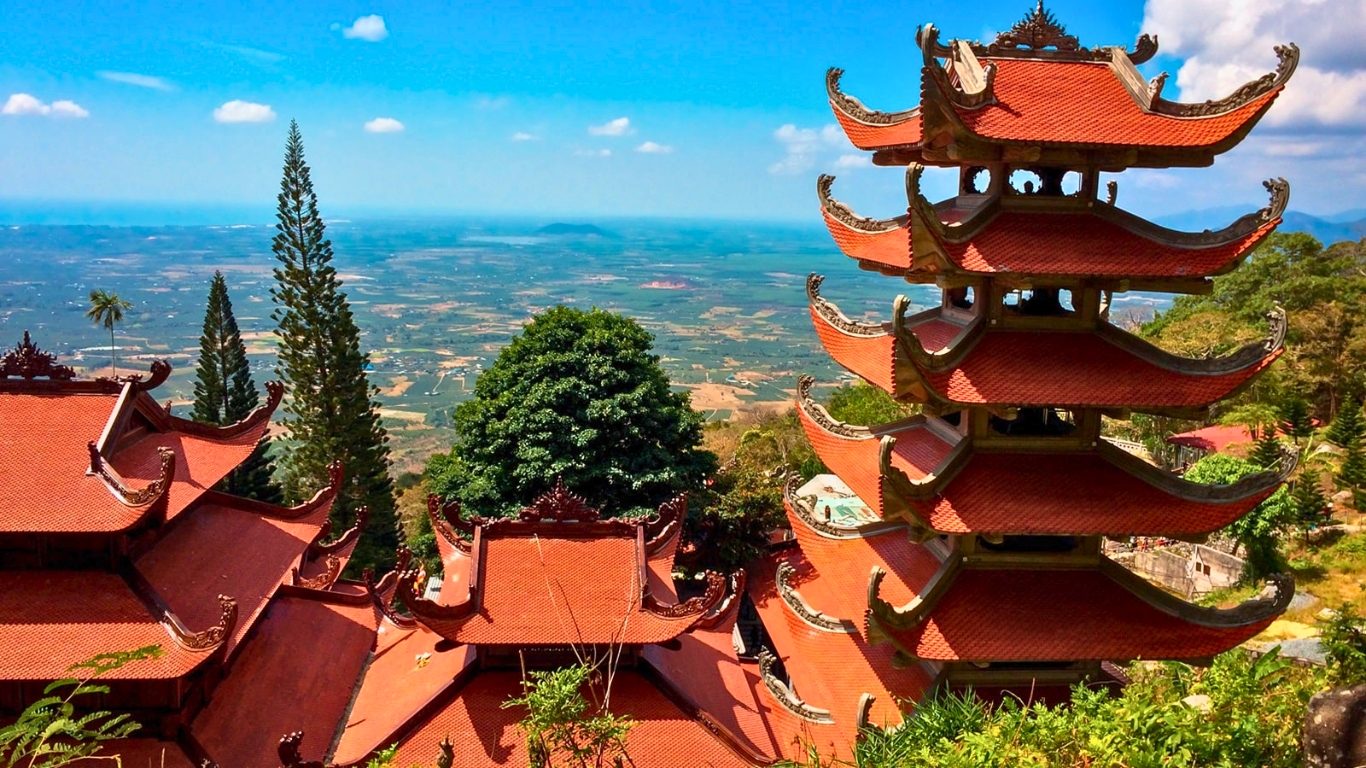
x=832 y=314
x=846 y=216
x=784 y=694
x=693 y=607
x=331 y=570
x=134 y=497
x=382 y=592
x=446 y=522
x=1037 y=31
x=1288 y=58
x=855 y=110
x=210 y=638
x=822 y=417
x=661 y=527
x=1039 y=35
x=558 y=505
x=319 y=548
x=728 y=607
x=794 y=600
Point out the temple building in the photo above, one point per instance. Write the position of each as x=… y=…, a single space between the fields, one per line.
x=981 y=563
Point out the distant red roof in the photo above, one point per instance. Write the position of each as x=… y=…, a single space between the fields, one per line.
x=1215 y=438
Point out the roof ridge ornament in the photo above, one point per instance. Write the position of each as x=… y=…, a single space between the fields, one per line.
x=28 y=361
x=157 y=373
x=793 y=599
x=693 y=607
x=855 y=109
x=1288 y=58
x=560 y=505
x=210 y=638
x=134 y=497
x=822 y=417
x=785 y=696
x=1036 y=31
x=726 y=610
x=661 y=527
x=846 y=216
x=446 y=521
x=832 y=314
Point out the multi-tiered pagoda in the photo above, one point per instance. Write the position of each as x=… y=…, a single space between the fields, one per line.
x=984 y=565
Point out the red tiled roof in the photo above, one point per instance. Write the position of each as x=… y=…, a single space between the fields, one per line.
x=217 y=549
x=50 y=620
x=833 y=577
x=871 y=357
x=1056 y=615
x=1075 y=369
x=890 y=248
x=45 y=436
x=1052 y=244
x=918 y=452
x=200 y=462
x=298 y=673
x=864 y=136
x=830 y=671
x=1085 y=103
x=1084 y=244
x=705 y=671
x=1019 y=494
x=574 y=585
x=485 y=735
x=1068 y=103
x=409 y=669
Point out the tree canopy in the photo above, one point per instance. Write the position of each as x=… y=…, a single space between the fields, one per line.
x=331 y=414
x=577 y=395
x=224 y=392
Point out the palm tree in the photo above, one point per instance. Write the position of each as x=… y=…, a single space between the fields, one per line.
x=107 y=309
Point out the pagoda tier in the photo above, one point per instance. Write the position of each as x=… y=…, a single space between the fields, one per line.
x=1015 y=101
x=1059 y=241
x=950 y=359
x=923 y=471
x=986 y=607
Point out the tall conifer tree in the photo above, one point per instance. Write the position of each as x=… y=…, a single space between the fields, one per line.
x=224 y=392
x=331 y=413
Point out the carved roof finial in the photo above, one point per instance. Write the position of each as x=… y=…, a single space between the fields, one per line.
x=1037 y=31
x=559 y=505
x=27 y=361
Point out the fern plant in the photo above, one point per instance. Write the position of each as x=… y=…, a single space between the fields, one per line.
x=50 y=734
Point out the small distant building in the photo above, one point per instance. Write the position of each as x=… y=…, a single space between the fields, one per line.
x=1198 y=443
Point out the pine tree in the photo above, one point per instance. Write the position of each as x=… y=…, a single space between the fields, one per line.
x=1346 y=432
x=331 y=414
x=224 y=392
x=1267 y=451
x=1309 y=502
x=1296 y=420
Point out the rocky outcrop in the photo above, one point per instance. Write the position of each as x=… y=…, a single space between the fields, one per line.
x=1335 y=729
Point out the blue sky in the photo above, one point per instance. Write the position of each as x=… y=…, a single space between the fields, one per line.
x=518 y=107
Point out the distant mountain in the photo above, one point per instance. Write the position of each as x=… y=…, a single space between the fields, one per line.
x=560 y=228
x=1347 y=225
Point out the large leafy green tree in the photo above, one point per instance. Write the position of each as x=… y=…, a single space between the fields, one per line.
x=331 y=414
x=576 y=395
x=1258 y=532
x=1347 y=432
x=224 y=392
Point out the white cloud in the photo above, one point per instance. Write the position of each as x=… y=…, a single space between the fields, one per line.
x=25 y=104
x=492 y=102
x=370 y=28
x=142 y=81
x=237 y=111
x=804 y=146
x=1224 y=45
x=593 y=152
x=520 y=136
x=383 y=125
x=651 y=148
x=619 y=127
x=854 y=161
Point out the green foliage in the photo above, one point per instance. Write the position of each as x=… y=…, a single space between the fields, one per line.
x=1344 y=645
x=1346 y=432
x=1296 y=420
x=862 y=403
x=1258 y=532
x=1254 y=718
x=224 y=392
x=331 y=414
x=1323 y=291
x=1266 y=453
x=50 y=732
x=1309 y=501
x=734 y=516
x=106 y=308
x=577 y=395
x=558 y=729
